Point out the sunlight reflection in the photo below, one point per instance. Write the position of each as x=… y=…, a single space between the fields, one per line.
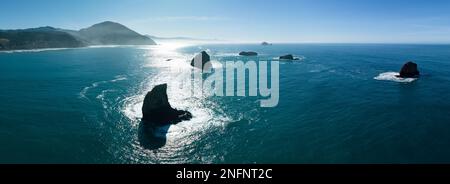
x=175 y=70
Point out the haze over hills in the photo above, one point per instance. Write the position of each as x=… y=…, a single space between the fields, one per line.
x=180 y=38
x=37 y=38
x=111 y=33
x=105 y=33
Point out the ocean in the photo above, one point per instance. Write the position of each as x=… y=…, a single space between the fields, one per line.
x=339 y=103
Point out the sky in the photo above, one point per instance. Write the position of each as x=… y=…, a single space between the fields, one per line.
x=282 y=21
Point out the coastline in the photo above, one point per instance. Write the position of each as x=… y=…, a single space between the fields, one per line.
x=69 y=48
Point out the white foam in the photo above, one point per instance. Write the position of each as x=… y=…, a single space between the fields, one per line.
x=393 y=76
x=87 y=47
x=83 y=92
x=35 y=50
x=119 y=78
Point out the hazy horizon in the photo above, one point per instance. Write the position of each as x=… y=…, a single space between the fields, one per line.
x=305 y=21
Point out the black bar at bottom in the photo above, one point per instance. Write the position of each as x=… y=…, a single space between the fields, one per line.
x=217 y=172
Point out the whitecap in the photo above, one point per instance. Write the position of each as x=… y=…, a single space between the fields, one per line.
x=85 y=90
x=393 y=76
x=119 y=78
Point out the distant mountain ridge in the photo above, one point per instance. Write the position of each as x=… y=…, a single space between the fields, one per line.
x=37 y=38
x=105 y=33
x=111 y=33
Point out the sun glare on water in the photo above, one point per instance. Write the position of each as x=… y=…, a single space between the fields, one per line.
x=174 y=69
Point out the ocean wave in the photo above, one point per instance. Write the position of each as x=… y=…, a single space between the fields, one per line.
x=86 y=89
x=102 y=99
x=393 y=76
x=119 y=78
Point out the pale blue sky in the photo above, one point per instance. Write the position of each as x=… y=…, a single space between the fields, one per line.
x=343 y=21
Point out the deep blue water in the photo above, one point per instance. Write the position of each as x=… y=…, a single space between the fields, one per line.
x=83 y=106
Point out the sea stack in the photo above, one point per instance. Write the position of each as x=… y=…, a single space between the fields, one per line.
x=409 y=70
x=250 y=53
x=265 y=44
x=157 y=110
x=287 y=57
x=202 y=58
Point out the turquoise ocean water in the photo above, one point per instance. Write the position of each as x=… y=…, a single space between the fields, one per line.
x=339 y=104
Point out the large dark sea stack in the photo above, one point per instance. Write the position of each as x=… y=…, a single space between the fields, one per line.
x=409 y=70
x=157 y=110
x=202 y=58
x=250 y=53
